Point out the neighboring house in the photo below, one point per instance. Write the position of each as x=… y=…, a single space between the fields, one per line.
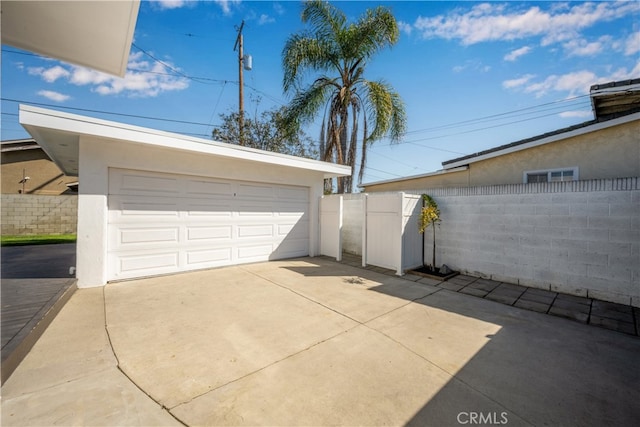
x=603 y=148
x=27 y=169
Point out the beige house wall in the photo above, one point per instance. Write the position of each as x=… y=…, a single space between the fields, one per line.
x=608 y=153
x=446 y=180
x=45 y=177
x=604 y=154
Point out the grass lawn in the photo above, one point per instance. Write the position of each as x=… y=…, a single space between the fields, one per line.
x=45 y=239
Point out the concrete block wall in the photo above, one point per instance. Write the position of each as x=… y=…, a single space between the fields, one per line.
x=39 y=214
x=580 y=238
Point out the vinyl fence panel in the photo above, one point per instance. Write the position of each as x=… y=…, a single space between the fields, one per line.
x=331 y=226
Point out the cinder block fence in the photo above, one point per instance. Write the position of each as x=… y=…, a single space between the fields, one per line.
x=579 y=237
x=24 y=214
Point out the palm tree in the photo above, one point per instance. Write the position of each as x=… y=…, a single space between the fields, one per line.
x=339 y=51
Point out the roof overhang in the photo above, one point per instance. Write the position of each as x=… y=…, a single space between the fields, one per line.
x=408 y=178
x=95 y=34
x=19 y=145
x=541 y=141
x=614 y=98
x=59 y=134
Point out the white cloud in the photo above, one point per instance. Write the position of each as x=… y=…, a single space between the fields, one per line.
x=54 y=96
x=578 y=114
x=492 y=22
x=53 y=74
x=515 y=54
x=581 y=47
x=143 y=78
x=265 y=19
x=81 y=76
x=474 y=65
x=514 y=83
x=632 y=44
x=226 y=5
x=278 y=8
x=573 y=84
x=576 y=83
x=405 y=27
x=172 y=4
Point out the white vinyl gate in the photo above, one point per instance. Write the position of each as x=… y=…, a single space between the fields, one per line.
x=164 y=223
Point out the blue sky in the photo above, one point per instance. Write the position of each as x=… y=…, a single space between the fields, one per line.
x=473 y=75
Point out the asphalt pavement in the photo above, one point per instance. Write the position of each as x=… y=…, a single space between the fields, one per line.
x=37 y=261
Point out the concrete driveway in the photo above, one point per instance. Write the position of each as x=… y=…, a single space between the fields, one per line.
x=314 y=342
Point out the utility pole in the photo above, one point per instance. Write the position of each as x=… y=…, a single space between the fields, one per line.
x=238 y=45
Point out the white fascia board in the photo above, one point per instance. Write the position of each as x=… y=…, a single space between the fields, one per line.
x=94 y=34
x=424 y=175
x=615 y=89
x=38 y=120
x=608 y=91
x=553 y=138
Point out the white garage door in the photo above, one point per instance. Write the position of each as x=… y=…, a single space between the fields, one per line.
x=164 y=223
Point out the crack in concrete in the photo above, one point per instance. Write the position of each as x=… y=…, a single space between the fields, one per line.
x=119 y=368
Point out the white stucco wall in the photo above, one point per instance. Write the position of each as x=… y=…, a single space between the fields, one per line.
x=97 y=155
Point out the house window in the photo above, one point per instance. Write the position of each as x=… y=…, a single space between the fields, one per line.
x=551 y=175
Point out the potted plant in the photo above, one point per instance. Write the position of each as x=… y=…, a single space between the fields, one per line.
x=430 y=217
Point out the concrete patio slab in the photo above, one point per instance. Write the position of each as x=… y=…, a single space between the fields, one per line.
x=360 y=377
x=103 y=398
x=345 y=290
x=181 y=336
x=544 y=369
x=71 y=377
x=73 y=346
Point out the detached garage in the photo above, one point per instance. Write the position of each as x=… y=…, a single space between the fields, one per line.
x=153 y=202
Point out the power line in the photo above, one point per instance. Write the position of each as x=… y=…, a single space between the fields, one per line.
x=394 y=160
x=415 y=142
x=497 y=116
x=107 y=112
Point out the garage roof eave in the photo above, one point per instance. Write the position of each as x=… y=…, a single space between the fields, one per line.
x=59 y=133
x=94 y=34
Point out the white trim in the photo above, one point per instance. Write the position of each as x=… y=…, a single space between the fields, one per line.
x=553 y=138
x=48 y=126
x=574 y=169
x=615 y=89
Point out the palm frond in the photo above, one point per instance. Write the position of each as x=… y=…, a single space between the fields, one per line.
x=386 y=110
x=303 y=53
x=326 y=20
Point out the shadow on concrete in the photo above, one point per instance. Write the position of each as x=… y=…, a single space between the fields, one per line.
x=534 y=369
x=508 y=366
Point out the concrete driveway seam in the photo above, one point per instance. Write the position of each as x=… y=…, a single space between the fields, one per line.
x=119 y=368
x=335 y=310
x=279 y=285
x=235 y=380
x=365 y=324
x=298 y=294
